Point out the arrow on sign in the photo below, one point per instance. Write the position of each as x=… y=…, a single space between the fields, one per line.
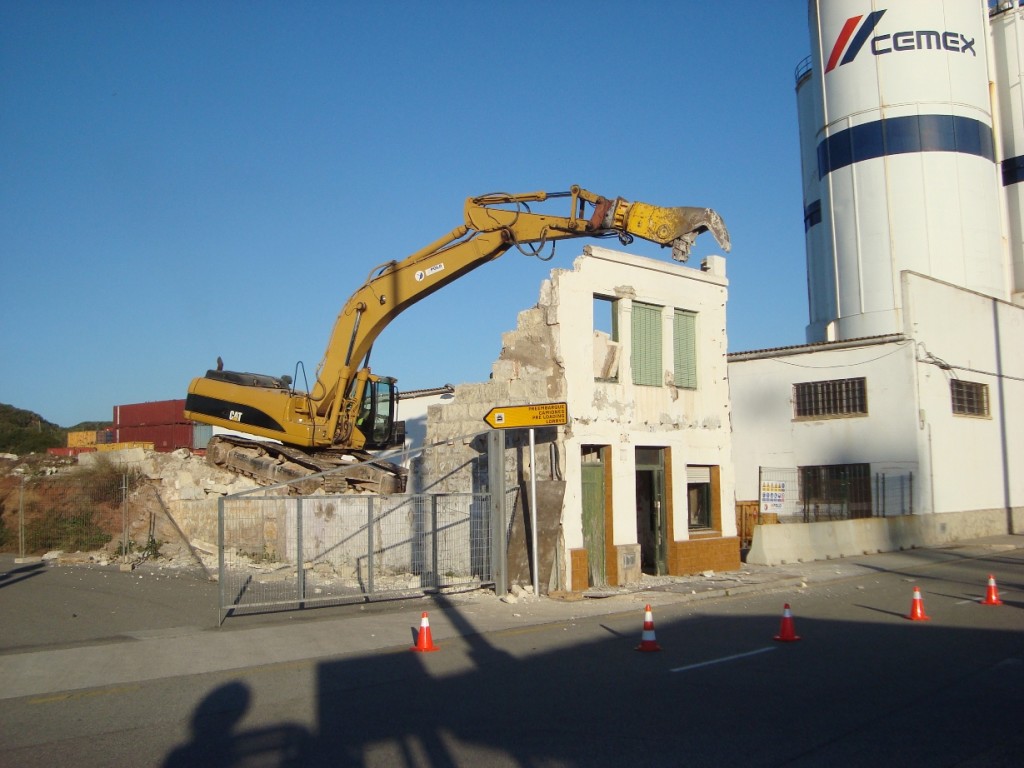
x=521 y=416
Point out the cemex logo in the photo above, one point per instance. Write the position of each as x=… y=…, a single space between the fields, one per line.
x=858 y=29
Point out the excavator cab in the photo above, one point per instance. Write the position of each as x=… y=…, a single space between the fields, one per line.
x=377 y=414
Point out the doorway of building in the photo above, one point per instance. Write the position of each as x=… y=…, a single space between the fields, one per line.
x=593 y=492
x=651 y=515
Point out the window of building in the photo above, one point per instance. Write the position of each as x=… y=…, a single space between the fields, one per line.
x=698 y=497
x=969 y=398
x=826 y=399
x=646 y=337
x=836 y=491
x=605 y=317
x=684 y=348
x=606 y=339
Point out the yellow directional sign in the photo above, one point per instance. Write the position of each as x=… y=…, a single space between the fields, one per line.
x=518 y=416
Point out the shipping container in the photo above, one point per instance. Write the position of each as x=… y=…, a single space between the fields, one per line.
x=71 y=450
x=201 y=436
x=124 y=446
x=164 y=437
x=155 y=414
x=81 y=439
x=104 y=436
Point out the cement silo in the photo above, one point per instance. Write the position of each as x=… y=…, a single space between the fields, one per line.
x=821 y=273
x=1006 y=21
x=906 y=162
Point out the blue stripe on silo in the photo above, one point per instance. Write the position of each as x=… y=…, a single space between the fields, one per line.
x=812 y=214
x=1013 y=170
x=902 y=135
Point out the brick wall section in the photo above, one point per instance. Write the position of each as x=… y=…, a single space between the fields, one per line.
x=697 y=555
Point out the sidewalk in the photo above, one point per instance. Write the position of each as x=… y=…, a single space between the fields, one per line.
x=75 y=627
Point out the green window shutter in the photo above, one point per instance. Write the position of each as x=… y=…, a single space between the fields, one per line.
x=684 y=348
x=646 y=357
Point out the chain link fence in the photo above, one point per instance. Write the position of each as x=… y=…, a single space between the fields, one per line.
x=86 y=510
x=281 y=552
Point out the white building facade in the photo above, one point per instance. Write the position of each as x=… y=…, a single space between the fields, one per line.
x=904 y=410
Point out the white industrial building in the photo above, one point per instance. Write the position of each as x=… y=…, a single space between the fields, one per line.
x=901 y=421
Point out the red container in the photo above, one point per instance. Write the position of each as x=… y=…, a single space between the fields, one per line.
x=72 y=451
x=164 y=437
x=158 y=413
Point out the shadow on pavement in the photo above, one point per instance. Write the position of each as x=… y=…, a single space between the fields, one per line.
x=215 y=742
x=862 y=690
x=13 y=576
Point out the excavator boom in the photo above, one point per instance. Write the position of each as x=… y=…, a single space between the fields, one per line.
x=351 y=409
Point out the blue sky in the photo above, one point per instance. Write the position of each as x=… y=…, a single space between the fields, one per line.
x=186 y=180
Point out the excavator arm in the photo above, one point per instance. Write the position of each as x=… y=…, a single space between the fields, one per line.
x=332 y=413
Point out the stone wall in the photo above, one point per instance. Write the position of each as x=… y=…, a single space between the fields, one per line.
x=527 y=371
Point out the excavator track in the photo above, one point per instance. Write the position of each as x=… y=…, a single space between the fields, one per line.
x=305 y=473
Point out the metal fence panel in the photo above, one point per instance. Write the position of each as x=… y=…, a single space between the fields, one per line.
x=779 y=495
x=894 y=493
x=351 y=547
x=808 y=494
x=80 y=511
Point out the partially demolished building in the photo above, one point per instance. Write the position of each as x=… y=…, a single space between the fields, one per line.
x=639 y=480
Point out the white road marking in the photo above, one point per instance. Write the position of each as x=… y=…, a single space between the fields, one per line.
x=724 y=658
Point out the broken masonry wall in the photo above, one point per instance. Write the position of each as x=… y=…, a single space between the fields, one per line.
x=526 y=372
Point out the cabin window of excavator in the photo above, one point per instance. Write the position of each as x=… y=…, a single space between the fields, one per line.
x=375 y=414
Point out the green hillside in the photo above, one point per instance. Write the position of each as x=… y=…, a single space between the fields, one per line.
x=24 y=432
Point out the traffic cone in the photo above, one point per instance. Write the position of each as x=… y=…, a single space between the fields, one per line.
x=647 y=641
x=424 y=642
x=992 y=593
x=917 y=607
x=787 y=633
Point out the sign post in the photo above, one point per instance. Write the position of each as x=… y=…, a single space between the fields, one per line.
x=522 y=417
x=499 y=529
x=519 y=416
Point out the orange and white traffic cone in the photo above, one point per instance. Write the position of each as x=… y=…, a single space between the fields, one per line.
x=787 y=633
x=647 y=641
x=917 y=607
x=992 y=593
x=424 y=642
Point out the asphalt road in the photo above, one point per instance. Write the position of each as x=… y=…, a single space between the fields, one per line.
x=864 y=686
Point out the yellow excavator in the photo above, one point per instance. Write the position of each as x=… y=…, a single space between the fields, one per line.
x=350 y=411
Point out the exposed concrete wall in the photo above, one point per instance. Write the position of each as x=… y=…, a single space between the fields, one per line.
x=802 y=542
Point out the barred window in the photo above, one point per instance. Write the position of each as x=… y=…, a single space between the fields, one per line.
x=839 y=397
x=969 y=397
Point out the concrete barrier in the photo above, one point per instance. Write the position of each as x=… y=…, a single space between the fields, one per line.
x=801 y=542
